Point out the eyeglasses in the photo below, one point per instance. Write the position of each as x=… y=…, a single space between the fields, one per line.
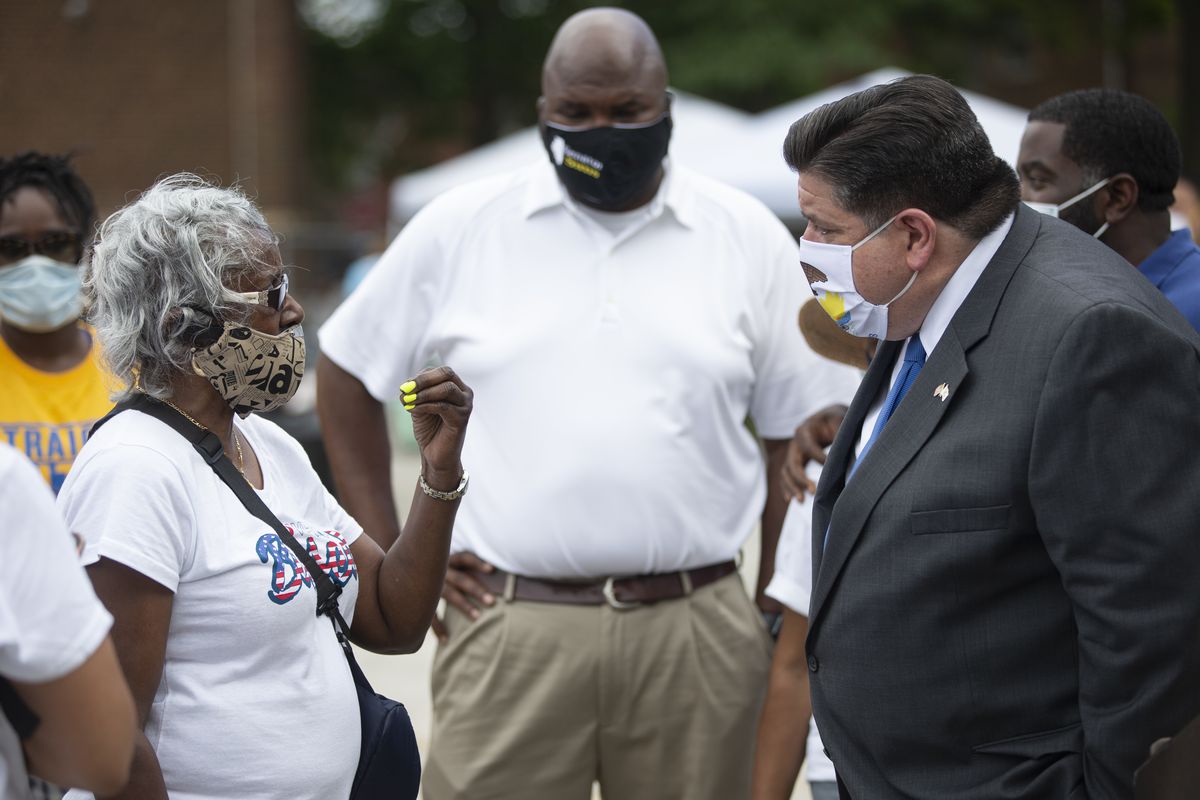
x=274 y=296
x=59 y=245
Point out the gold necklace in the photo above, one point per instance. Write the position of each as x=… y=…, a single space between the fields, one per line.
x=237 y=442
x=241 y=465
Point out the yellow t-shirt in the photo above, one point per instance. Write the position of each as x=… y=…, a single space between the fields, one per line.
x=47 y=415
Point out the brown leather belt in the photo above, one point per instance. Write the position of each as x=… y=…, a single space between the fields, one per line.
x=620 y=593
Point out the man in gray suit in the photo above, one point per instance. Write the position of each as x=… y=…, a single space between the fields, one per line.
x=1004 y=601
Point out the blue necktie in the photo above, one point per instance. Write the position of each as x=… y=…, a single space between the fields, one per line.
x=914 y=359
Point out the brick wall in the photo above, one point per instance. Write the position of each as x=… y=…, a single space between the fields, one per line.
x=141 y=88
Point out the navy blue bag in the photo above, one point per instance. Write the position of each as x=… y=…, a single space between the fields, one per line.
x=20 y=716
x=389 y=764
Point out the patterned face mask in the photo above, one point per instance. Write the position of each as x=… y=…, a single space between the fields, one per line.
x=255 y=372
x=830 y=272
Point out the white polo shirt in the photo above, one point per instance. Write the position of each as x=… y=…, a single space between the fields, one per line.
x=613 y=365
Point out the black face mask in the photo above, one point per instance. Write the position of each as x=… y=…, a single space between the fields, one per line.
x=608 y=168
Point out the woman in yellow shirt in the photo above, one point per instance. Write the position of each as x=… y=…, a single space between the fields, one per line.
x=51 y=385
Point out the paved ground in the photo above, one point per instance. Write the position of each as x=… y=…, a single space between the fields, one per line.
x=406 y=678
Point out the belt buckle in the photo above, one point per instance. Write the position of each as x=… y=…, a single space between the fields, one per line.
x=610 y=597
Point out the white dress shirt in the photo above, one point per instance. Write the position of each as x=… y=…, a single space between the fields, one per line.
x=940 y=313
x=613 y=365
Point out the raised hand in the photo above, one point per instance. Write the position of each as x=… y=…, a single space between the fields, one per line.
x=440 y=404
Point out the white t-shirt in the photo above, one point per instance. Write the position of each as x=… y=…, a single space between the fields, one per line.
x=612 y=373
x=50 y=619
x=792 y=585
x=256 y=698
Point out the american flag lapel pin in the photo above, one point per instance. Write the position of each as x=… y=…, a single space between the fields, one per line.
x=942 y=392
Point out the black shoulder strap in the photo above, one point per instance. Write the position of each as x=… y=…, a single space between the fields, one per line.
x=210 y=449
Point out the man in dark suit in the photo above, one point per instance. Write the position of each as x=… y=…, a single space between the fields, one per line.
x=1004 y=601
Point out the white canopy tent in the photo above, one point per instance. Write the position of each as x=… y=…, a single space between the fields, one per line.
x=740 y=149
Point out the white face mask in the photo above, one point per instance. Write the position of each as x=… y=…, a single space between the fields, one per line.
x=39 y=294
x=830 y=272
x=1056 y=209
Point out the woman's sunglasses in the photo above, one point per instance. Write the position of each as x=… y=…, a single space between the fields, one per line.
x=274 y=297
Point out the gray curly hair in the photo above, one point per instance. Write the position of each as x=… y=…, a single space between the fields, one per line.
x=162 y=265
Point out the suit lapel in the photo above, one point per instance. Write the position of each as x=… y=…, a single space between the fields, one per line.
x=843 y=508
x=903 y=436
x=841 y=453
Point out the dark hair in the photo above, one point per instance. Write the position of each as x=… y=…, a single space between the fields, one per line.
x=1109 y=131
x=913 y=142
x=55 y=175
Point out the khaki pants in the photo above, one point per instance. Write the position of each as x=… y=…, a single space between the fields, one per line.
x=535 y=701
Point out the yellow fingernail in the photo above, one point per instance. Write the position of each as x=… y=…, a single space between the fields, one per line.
x=409 y=407
x=406 y=388
x=409 y=398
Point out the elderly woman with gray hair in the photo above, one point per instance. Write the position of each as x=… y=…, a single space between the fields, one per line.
x=243 y=691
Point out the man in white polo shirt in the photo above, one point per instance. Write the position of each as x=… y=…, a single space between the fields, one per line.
x=620 y=318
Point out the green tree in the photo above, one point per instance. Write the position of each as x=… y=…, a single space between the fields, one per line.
x=429 y=78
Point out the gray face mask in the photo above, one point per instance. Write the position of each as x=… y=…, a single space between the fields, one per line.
x=255 y=372
x=1056 y=209
x=39 y=294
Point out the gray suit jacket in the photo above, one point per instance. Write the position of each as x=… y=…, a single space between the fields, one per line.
x=1009 y=602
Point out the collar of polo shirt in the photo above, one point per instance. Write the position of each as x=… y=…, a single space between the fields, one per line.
x=545 y=191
